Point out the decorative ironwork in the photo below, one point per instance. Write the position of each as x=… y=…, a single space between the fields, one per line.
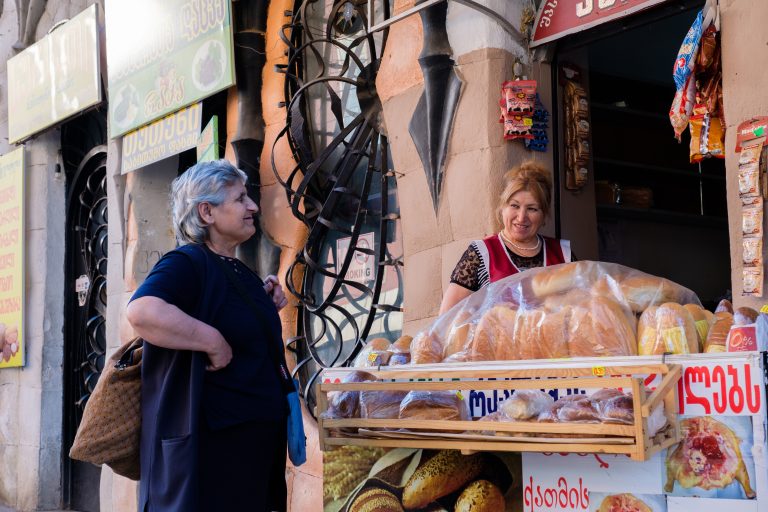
x=432 y=121
x=342 y=187
x=88 y=221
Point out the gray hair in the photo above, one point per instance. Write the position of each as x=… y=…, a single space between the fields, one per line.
x=204 y=182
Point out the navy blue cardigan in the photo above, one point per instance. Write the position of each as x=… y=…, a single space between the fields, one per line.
x=171 y=386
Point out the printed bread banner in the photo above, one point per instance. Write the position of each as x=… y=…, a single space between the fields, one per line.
x=12 y=259
x=360 y=478
x=606 y=502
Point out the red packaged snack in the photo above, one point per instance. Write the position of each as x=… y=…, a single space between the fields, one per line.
x=519 y=96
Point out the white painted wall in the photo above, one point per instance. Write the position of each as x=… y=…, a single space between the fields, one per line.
x=470 y=29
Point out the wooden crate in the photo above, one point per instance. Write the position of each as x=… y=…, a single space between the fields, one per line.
x=632 y=440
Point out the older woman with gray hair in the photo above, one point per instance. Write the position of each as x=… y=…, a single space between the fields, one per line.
x=213 y=368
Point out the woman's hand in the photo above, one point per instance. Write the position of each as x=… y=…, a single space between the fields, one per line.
x=219 y=353
x=274 y=290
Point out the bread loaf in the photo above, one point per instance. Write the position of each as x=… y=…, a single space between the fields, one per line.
x=372 y=354
x=527 y=335
x=700 y=318
x=400 y=351
x=381 y=404
x=525 y=404
x=581 y=411
x=718 y=333
x=600 y=328
x=618 y=409
x=562 y=278
x=480 y=496
x=640 y=292
x=375 y=499
x=426 y=348
x=346 y=404
x=432 y=405
x=553 y=342
x=744 y=316
x=667 y=329
x=459 y=339
x=446 y=472
x=646 y=332
x=724 y=306
x=494 y=337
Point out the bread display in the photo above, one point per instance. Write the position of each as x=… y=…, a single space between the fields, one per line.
x=744 y=316
x=480 y=496
x=724 y=306
x=579 y=309
x=433 y=405
x=400 y=351
x=446 y=472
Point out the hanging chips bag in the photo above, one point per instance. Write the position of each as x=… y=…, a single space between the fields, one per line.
x=686 y=57
x=752 y=221
x=682 y=107
x=749 y=180
x=518 y=127
x=752 y=252
x=519 y=96
x=752 y=281
x=706 y=138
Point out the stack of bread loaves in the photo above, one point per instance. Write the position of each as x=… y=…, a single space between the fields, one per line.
x=580 y=309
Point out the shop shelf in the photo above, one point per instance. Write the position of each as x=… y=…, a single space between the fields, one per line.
x=632 y=440
x=692 y=173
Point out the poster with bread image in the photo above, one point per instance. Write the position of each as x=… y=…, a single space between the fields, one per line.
x=626 y=502
x=12 y=259
x=367 y=479
x=713 y=460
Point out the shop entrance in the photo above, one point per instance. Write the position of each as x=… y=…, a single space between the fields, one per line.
x=655 y=211
x=84 y=153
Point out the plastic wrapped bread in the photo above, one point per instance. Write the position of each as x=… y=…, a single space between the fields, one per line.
x=433 y=405
x=346 y=404
x=668 y=328
x=580 y=309
x=525 y=404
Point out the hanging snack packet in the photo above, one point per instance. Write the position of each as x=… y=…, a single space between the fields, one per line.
x=686 y=57
x=517 y=127
x=752 y=281
x=706 y=138
x=750 y=154
x=752 y=253
x=752 y=221
x=707 y=49
x=749 y=180
x=520 y=96
x=682 y=107
x=749 y=201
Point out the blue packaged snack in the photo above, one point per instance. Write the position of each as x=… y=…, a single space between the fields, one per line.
x=687 y=54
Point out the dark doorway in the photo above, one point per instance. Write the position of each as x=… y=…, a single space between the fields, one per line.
x=84 y=154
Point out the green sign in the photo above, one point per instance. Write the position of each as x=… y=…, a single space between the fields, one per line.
x=54 y=78
x=159 y=140
x=164 y=56
x=208 y=145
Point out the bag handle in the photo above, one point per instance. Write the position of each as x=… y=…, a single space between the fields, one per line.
x=282 y=369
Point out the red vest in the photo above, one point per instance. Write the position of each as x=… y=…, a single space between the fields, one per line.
x=499 y=264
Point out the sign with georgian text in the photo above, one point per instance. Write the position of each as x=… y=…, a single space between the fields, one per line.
x=559 y=18
x=12 y=259
x=54 y=78
x=164 y=56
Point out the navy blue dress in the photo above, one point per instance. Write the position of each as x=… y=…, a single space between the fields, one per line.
x=214 y=440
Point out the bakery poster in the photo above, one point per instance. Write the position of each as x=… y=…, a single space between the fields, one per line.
x=12 y=259
x=362 y=478
x=713 y=460
x=627 y=501
x=566 y=481
x=677 y=504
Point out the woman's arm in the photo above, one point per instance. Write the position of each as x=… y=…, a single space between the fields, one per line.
x=452 y=296
x=167 y=326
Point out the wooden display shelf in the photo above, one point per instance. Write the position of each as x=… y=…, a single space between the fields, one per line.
x=632 y=440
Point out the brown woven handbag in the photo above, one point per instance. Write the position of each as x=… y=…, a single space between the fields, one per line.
x=110 y=430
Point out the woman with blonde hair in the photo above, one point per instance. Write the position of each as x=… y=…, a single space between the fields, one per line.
x=523 y=207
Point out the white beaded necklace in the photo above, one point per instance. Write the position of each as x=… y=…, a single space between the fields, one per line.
x=520 y=248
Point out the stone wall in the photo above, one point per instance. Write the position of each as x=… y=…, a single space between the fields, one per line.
x=745 y=48
x=31 y=397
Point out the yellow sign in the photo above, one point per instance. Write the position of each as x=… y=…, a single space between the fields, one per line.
x=168 y=136
x=12 y=259
x=55 y=78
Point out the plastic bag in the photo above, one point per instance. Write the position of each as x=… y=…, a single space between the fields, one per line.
x=373 y=354
x=686 y=57
x=434 y=405
x=519 y=96
x=381 y=404
x=346 y=404
x=669 y=328
x=525 y=404
x=580 y=309
x=682 y=107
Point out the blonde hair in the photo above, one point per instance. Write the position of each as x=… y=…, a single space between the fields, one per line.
x=529 y=177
